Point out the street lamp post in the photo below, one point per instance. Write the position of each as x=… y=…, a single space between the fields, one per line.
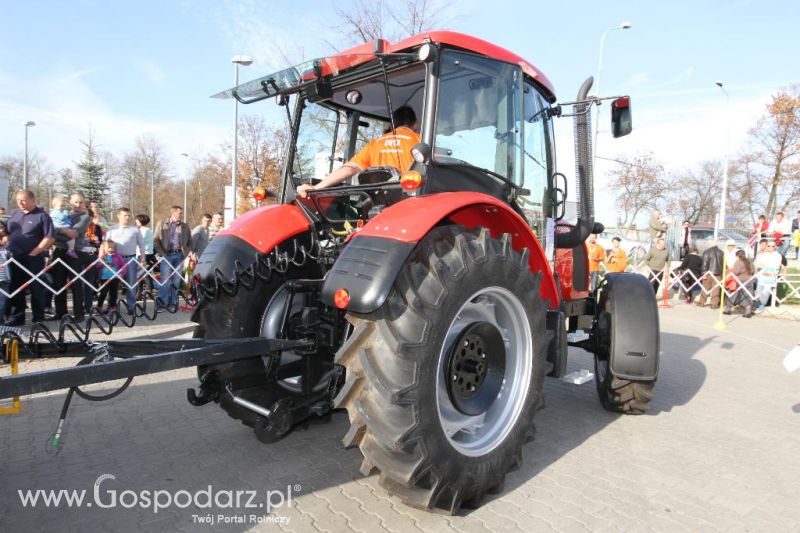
x=723 y=202
x=28 y=124
x=623 y=26
x=185 y=203
x=237 y=60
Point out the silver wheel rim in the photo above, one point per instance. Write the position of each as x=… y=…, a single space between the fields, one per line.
x=478 y=435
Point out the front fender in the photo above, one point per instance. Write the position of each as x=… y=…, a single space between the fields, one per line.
x=368 y=266
x=257 y=231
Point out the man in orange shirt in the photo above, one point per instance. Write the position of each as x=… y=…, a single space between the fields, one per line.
x=392 y=149
x=617 y=258
x=596 y=256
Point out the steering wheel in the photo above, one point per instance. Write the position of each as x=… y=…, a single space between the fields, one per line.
x=374 y=175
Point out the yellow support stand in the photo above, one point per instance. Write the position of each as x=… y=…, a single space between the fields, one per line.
x=720 y=324
x=12 y=352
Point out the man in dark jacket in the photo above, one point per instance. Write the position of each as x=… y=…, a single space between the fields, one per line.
x=30 y=232
x=712 y=264
x=691 y=269
x=172 y=242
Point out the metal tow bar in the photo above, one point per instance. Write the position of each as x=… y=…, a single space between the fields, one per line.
x=138 y=358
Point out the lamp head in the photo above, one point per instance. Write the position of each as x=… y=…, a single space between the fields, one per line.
x=242 y=60
x=719 y=83
x=626 y=25
x=29 y=124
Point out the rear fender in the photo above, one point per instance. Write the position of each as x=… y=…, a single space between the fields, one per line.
x=256 y=232
x=368 y=266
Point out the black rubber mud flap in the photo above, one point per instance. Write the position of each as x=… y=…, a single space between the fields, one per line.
x=634 y=328
x=367 y=268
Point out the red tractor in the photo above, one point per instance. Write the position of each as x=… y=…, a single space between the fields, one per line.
x=433 y=299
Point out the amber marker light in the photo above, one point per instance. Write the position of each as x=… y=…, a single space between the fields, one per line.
x=411 y=180
x=341 y=298
x=260 y=194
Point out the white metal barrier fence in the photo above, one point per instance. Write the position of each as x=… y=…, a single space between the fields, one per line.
x=783 y=287
x=94 y=282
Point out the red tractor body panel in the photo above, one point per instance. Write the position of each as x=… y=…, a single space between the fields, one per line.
x=266 y=227
x=411 y=219
x=565 y=268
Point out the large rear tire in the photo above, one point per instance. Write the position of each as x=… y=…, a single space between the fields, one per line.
x=444 y=379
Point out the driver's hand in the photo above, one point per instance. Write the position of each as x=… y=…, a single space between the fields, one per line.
x=302 y=190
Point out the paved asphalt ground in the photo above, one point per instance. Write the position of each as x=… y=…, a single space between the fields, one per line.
x=718 y=451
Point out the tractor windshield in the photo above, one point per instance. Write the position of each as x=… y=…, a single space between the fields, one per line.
x=333 y=130
x=479 y=117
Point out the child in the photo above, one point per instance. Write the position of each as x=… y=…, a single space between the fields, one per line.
x=5 y=273
x=61 y=219
x=110 y=263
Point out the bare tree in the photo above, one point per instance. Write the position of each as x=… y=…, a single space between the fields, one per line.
x=640 y=184
x=144 y=170
x=363 y=21
x=772 y=166
x=695 y=194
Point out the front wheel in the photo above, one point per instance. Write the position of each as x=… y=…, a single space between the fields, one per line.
x=626 y=329
x=444 y=379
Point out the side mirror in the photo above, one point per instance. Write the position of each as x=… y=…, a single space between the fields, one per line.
x=621 y=123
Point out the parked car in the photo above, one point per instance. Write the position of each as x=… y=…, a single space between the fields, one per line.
x=635 y=250
x=702 y=235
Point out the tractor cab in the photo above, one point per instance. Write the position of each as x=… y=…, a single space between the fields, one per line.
x=485 y=125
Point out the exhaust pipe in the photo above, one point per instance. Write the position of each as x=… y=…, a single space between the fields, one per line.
x=583 y=172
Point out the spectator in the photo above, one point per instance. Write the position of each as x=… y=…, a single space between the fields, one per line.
x=30 y=233
x=712 y=266
x=3 y=212
x=62 y=276
x=656 y=260
x=128 y=242
x=796 y=236
x=781 y=230
x=93 y=239
x=111 y=266
x=759 y=229
x=743 y=273
x=201 y=235
x=596 y=256
x=103 y=223
x=5 y=276
x=691 y=269
x=730 y=253
x=216 y=225
x=61 y=219
x=617 y=260
x=656 y=226
x=768 y=267
x=686 y=239
x=172 y=242
x=142 y=222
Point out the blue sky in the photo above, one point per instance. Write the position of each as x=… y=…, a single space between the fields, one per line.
x=130 y=68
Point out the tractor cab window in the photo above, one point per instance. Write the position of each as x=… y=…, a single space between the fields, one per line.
x=537 y=166
x=479 y=115
x=321 y=142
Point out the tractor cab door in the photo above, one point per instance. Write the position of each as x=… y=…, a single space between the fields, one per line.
x=492 y=122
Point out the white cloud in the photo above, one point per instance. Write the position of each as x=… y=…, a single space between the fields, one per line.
x=64 y=107
x=151 y=71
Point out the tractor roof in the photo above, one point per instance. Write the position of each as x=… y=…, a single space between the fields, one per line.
x=458 y=40
x=294 y=78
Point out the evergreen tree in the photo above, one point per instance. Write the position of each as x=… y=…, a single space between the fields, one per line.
x=92 y=181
